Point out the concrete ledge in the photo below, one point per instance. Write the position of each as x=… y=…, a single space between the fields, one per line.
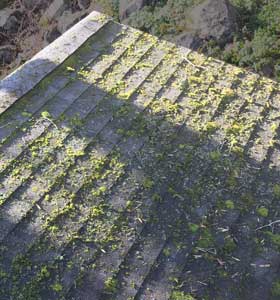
x=25 y=78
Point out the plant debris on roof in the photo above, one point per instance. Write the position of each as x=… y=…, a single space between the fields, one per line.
x=140 y=170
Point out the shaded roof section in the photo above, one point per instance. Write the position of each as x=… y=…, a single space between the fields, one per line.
x=134 y=169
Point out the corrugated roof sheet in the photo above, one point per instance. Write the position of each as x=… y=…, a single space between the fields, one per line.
x=134 y=169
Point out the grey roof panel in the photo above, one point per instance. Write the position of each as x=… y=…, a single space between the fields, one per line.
x=134 y=169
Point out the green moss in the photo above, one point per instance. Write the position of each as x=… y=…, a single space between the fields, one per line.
x=148 y=183
x=235 y=129
x=45 y=115
x=166 y=252
x=275 y=290
x=129 y=204
x=3 y=275
x=193 y=227
x=30 y=292
x=210 y=127
x=222 y=273
x=206 y=239
x=215 y=155
x=70 y=69
x=76 y=121
x=44 y=273
x=47 y=197
x=177 y=295
x=57 y=287
x=156 y=197
x=229 y=204
x=227 y=92
x=247 y=201
x=231 y=181
x=229 y=245
x=26 y=114
x=262 y=212
x=275 y=238
x=97 y=211
x=111 y=285
x=52 y=228
x=239 y=151
x=276 y=191
x=100 y=191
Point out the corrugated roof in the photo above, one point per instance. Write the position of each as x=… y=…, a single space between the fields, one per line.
x=135 y=169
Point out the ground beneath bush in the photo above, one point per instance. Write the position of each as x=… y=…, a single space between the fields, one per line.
x=27 y=26
x=138 y=170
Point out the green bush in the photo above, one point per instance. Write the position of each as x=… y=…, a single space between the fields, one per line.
x=257 y=45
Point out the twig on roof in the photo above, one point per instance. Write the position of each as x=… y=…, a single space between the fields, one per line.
x=268 y=225
x=196 y=66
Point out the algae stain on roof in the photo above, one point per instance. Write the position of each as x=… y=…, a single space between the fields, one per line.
x=129 y=170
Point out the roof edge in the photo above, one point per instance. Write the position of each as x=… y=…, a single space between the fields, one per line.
x=26 y=77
